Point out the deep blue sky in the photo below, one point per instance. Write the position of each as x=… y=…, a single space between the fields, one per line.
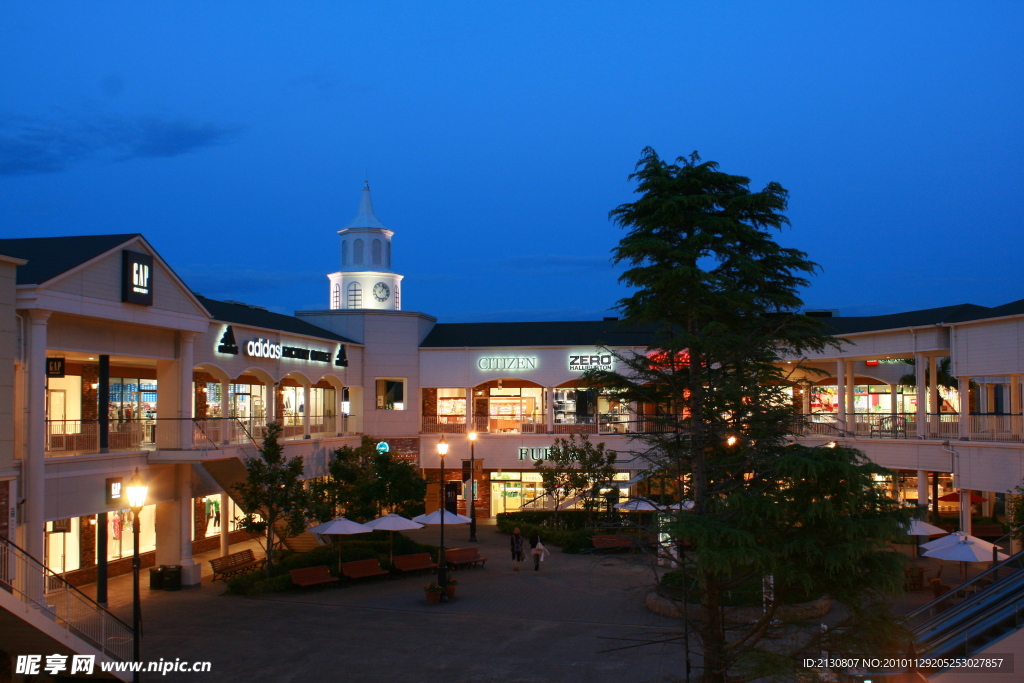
x=497 y=136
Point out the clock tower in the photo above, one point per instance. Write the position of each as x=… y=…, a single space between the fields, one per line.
x=365 y=280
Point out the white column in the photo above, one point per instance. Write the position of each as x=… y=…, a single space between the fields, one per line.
x=190 y=570
x=34 y=468
x=306 y=408
x=851 y=407
x=805 y=399
x=922 y=488
x=922 y=396
x=271 y=401
x=187 y=392
x=225 y=525
x=226 y=427
x=549 y=398
x=964 y=388
x=894 y=398
x=965 y=510
x=934 y=407
x=841 y=394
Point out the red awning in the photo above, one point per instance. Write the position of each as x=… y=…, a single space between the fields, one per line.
x=955 y=498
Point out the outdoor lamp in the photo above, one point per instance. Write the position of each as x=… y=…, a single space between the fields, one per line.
x=442 y=568
x=472 y=487
x=136 y=491
x=731 y=440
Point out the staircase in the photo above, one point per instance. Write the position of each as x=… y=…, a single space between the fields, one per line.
x=975 y=616
x=42 y=614
x=231 y=471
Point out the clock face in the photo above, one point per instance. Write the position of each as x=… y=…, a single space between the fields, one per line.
x=381 y=292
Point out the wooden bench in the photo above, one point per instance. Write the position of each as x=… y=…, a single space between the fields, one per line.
x=311 y=576
x=360 y=569
x=612 y=541
x=467 y=556
x=413 y=563
x=987 y=530
x=235 y=563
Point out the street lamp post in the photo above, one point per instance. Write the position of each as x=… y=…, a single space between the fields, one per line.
x=442 y=568
x=136 y=491
x=472 y=487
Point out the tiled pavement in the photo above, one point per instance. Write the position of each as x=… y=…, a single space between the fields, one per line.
x=504 y=626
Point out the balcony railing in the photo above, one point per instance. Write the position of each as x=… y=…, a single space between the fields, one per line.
x=65 y=437
x=443 y=424
x=940 y=426
x=605 y=423
x=26 y=578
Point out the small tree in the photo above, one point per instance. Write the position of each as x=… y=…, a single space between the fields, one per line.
x=273 y=495
x=365 y=484
x=576 y=469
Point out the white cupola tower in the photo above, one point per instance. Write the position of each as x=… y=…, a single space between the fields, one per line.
x=365 y=280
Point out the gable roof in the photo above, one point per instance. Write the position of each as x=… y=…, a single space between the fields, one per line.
x=242 y=314
x=563 y=333
x=944 y=315
x=49 y=257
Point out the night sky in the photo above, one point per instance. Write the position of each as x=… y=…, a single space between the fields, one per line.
x=496 y=137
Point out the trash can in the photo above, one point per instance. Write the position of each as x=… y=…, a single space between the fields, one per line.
x=172 y=577
x=156 y=578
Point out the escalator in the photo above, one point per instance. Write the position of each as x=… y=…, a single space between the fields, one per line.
x=231 y=471
x=973 y=617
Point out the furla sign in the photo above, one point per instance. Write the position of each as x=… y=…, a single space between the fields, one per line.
x=136 y=278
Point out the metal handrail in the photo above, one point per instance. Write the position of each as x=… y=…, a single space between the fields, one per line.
x=41 y=588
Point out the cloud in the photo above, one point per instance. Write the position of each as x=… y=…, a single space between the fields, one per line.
x=30 y=146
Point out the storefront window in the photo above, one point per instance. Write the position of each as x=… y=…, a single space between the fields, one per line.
x=215 y=516
x=294 y=400
x=575 y=406
x=62 y=545
x=120 y=539
x=510 y=407
x=245 y=400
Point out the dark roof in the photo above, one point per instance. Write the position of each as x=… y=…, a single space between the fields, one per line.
x=48 y=257
x=241 y=314
x=929 y=316
x=565 y=333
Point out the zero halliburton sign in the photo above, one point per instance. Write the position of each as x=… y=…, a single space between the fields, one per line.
x=136 y=278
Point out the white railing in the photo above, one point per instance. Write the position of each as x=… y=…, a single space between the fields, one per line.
x=443 y=424
x=64 y=437
x=57 y=600
x=995 y=427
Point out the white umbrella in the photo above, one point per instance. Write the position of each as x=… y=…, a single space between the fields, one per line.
x=435 y=518
x=636 y=505
x=965 y=551
x=340 y=527
x=957 y=537
x=392 y=523
x=921 y=528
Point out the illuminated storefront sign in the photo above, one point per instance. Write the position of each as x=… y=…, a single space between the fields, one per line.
x=115 y=489
x=136 y=278
x=531 y=453
x=264 y=348
x=512 y=363
x=592 y=362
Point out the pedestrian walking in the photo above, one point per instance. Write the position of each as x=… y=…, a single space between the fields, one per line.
x=537 y=549
x=516 y=542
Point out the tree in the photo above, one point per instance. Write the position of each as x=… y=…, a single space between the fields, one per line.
x=273 y=495
x=366 y=484
x=576 y=469
x=944 y=375
x=722 y=299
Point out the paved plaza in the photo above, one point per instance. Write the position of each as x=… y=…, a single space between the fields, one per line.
x=507 y=626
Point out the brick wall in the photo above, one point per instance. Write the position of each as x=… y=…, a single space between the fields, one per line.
x=90 y=376
x=199 y=531
x=407 y=449
x=87 y=541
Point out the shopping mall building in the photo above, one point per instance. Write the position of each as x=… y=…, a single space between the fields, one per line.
x=109 y=364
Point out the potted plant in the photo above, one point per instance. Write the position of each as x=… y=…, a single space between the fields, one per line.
x=433 y=593
x=449 y=587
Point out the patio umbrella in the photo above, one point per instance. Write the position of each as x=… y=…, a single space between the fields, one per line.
x=957 y=537
x=966 y=549
x=921 y=528
x=435 y=518
x=392 y=523
x=636 y=505
x=340 y=527
x=955 y=498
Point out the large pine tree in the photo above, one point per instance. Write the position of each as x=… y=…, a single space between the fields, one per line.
x=723 y=299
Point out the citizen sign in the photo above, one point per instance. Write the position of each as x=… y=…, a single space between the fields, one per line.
x=597 y=362
x=499 y=363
